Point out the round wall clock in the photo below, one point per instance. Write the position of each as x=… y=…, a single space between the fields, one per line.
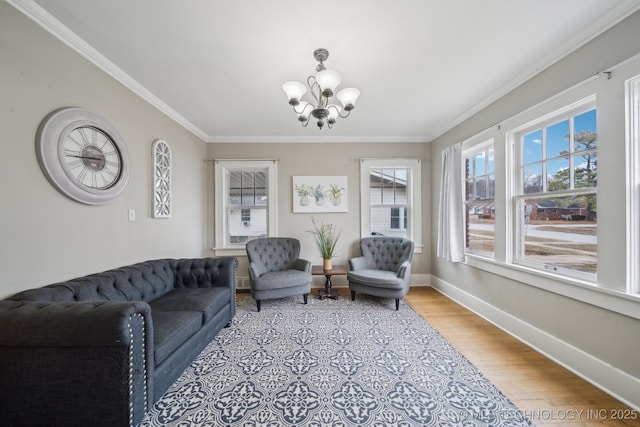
x=82 y=155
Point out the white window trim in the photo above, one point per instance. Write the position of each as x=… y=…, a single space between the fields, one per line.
x=221 y=199
x=513 y=211
x=632 y=111
x=414 y=223
x=471 y=147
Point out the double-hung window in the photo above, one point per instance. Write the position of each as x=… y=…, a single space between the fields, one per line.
x=479 y=174
x=245 y=201
x=554 y=192
x=632 y=97
x=390 y=199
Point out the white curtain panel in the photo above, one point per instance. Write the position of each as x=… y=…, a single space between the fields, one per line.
x=451 y=216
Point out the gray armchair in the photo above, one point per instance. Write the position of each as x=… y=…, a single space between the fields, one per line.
x=275 y=269
x=383 y=270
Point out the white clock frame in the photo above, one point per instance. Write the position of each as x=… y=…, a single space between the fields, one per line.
x=50 y=139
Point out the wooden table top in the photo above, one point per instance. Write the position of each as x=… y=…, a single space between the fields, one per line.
x=337 y=270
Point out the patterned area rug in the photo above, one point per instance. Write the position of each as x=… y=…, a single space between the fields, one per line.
x=332 y=363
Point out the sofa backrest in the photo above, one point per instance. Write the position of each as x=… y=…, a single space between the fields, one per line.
x=144 y=281
x=386 y=253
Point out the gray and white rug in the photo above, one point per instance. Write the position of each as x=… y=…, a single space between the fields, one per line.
x=332 y=363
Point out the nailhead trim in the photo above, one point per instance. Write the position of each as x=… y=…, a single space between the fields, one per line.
x=144 y=369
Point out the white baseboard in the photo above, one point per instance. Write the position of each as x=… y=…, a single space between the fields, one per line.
x=611 y=380
x=242 y=282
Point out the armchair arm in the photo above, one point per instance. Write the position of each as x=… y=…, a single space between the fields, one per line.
x=358 y=263
x=404 y=272
x=56 y=357
x=302 y=265
x=256 y=270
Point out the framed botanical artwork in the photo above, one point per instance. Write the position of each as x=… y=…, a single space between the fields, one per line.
x=316 y=194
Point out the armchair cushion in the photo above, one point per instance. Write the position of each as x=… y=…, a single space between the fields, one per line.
x=280 y=279
x=377 y=278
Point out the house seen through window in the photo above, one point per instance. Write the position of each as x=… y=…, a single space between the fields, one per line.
x=555 y=193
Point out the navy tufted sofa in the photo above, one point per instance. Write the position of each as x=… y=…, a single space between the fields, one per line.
x=383 y=270
x=99 y=350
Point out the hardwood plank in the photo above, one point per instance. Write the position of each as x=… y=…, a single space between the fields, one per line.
x=550 y=394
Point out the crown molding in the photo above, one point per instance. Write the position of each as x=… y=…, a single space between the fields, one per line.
x=43 y=18
x=315 y=139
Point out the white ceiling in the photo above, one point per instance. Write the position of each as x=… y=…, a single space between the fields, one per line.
x=422 y=66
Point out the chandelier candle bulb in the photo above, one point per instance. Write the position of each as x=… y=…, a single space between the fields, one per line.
x=322 y=87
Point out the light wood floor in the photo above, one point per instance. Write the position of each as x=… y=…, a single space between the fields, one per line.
x=544 y=390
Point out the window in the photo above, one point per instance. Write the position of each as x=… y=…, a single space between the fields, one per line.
x=245 y=202
x=555 y=203
x=479 y=179
x=632 y=92
x=390 y=199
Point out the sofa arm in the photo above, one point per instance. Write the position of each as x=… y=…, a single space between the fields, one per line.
x=358 y=263
x=59 y=357
x=302 y=265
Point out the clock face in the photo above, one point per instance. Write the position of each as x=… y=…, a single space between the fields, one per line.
x=82 y=155
x=91 y=158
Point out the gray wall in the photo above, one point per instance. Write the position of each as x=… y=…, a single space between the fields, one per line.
x=326 y=159
x=598 y=328
x=46 y=237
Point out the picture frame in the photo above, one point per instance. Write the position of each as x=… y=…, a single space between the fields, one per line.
x=320 y=194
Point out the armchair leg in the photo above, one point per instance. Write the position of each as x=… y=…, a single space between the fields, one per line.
x=353 y=295
x=258 y=304
x=306 y=298
x=397 y=304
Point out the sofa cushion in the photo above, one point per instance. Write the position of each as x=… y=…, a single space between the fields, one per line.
x=281 y=279
x=171 y=329
x=376 y=278
x=208 y=301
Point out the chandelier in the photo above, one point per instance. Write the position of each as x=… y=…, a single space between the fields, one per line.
x=322 y=86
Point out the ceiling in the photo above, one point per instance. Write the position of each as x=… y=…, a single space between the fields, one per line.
x=422 y=66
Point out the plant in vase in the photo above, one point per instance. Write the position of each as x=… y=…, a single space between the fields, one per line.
x=318 y=193
x=335 y=194
x=326 y=237
x=304 y=191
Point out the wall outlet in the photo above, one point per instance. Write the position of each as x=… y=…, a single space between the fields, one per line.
x=132 y=215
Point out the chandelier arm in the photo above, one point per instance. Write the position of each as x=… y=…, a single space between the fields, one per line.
x=303 y=108
x=313 y=85
x=344 y=116
x=305 y=123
